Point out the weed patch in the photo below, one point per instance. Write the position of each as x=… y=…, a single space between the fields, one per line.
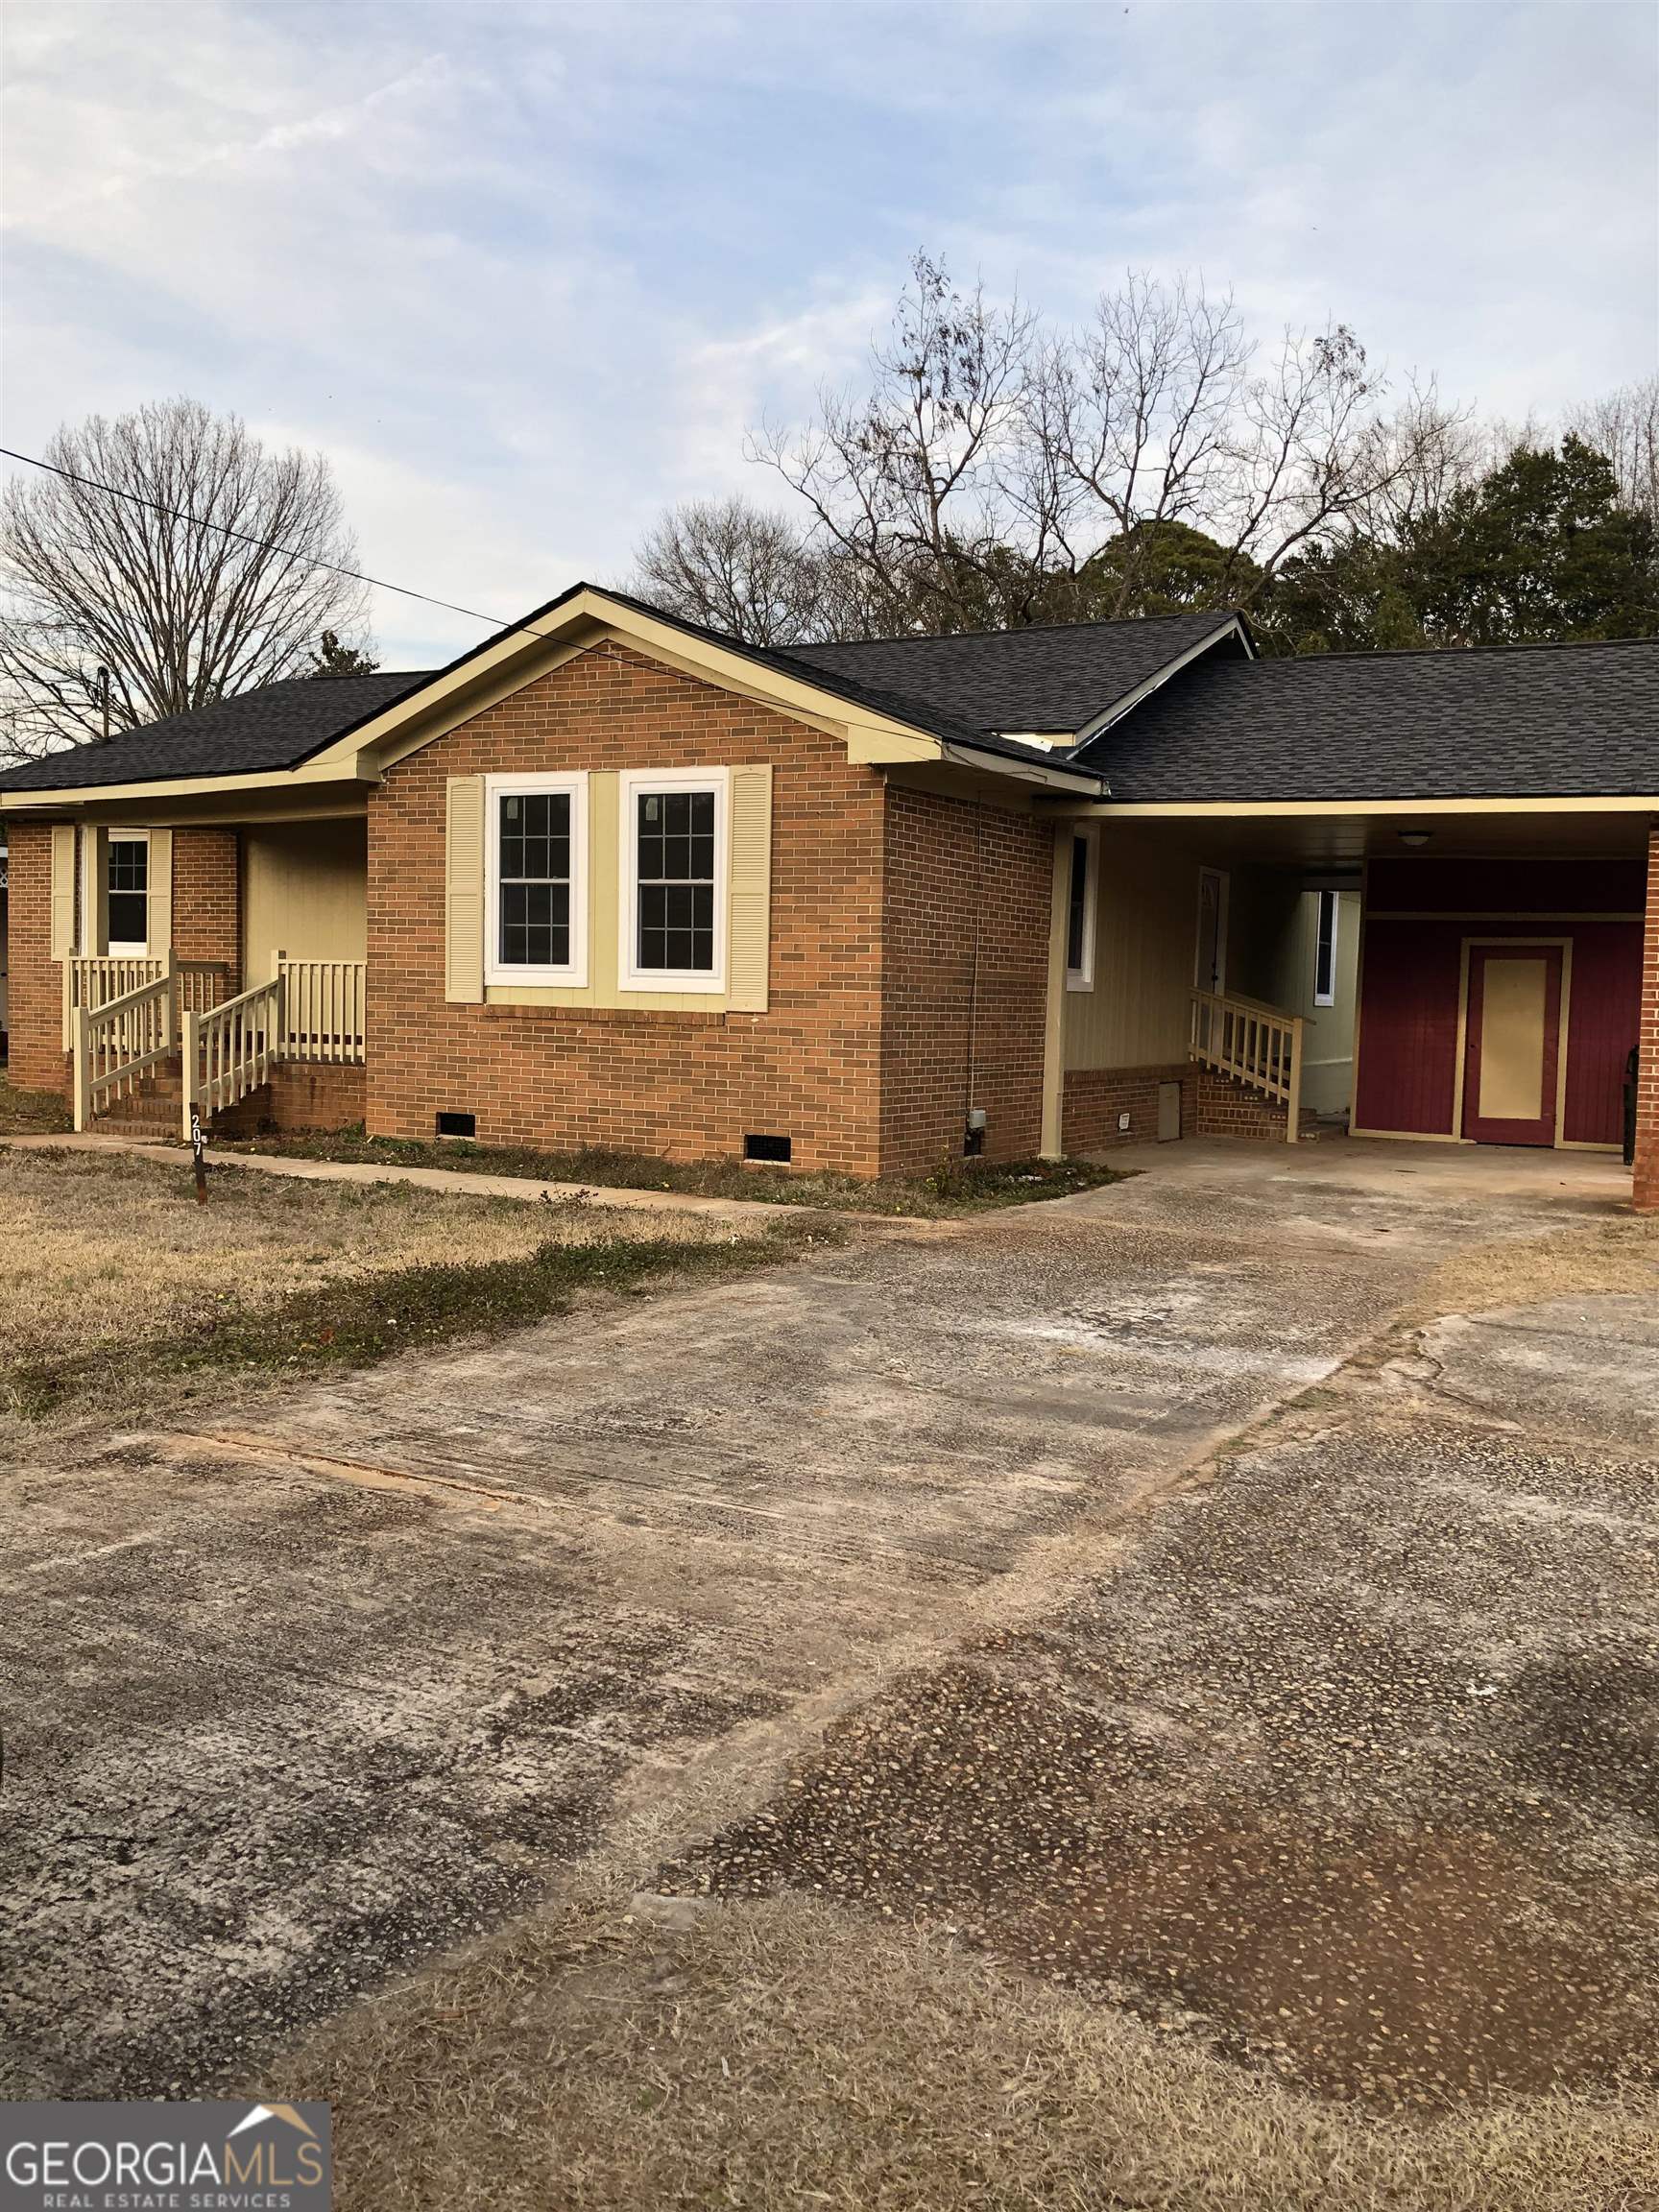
x=955 y=1186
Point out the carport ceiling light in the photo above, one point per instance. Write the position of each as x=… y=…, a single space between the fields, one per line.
x=1415 y=836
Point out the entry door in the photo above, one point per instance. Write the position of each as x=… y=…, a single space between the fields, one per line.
x=1209 y=968
x=1514 y=1044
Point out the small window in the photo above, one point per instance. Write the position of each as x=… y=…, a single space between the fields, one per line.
x=1080 y=913
x=674 y=878
x=127 y=894
x=457 y=1124
x=537 y=842
x=757 y=1146
x=1325 y=949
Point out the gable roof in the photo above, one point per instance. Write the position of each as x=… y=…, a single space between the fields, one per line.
x=1508 y=721
x=1052 y=677
x=965 y=691
x=273 y=727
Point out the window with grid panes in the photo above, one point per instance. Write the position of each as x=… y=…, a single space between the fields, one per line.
x=127 y=894
x=674 y=881
x=533 y=878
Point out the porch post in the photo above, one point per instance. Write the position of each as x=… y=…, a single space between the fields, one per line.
x=1053 y=1137
x=1645 y=1188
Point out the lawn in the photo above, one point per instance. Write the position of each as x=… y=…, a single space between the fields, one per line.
x=119 y=1282
x=955 y=1186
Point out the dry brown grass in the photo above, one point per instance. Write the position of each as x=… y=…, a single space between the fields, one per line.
x=1603 y=1259
x=106 y=1250
x=794 y=2054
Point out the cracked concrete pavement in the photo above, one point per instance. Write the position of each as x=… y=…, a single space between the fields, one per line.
x=295 y=1702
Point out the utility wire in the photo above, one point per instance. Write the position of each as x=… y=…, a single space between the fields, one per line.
x=261 y=545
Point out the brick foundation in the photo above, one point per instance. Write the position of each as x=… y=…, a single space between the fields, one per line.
x=299 y=1097
x=1095 y=1096
x=1644 y=1191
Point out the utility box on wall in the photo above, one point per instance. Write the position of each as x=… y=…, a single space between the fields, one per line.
x=1169 y=1112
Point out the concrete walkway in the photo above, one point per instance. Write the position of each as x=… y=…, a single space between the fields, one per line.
x=458 y=1182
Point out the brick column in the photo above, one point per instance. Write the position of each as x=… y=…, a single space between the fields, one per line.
x=1646 y=1192
x=206 y=899
x=36 y=1017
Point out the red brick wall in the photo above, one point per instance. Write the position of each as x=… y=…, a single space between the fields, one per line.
x=1095 y=1096
x=683 y=1083
x=206 y=899
x=1646 y=1178
x=34 y=984
x=957 y=869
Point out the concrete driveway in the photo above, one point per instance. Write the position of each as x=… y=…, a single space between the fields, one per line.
x=292 y=1703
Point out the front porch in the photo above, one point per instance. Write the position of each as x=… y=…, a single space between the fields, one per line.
x=149 y=1039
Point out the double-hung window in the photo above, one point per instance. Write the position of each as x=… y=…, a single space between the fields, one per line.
x=537 y=845
x=127 y=894
x=673 y=875
x=1080 y=903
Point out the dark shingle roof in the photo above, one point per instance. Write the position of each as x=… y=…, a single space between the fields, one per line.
x=276 y=727
x=1512 y=722
x=1046 y=679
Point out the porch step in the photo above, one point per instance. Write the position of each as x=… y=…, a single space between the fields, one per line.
x=1229 y=1108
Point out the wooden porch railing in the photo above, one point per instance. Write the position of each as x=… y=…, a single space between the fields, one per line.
x=230 y=1049
x=93 y=980
x=124 y=1016
x=119 y=1041
x=1257 y=1045
x=323 y=1003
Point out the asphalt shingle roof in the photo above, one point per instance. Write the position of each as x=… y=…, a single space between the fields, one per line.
x=1046 y=678
x=1514 y=722
x=275 y=727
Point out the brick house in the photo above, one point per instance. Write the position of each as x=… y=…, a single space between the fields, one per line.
x=613 y=879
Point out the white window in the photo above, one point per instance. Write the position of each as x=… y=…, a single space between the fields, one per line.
x=127 y=893
x=673 y=878
x=1080 y=902
x=1325 y=949
x=537 y=871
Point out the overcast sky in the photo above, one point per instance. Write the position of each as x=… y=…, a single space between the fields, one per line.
x=525 y=273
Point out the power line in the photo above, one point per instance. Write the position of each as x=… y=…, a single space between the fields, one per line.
x=261 y=545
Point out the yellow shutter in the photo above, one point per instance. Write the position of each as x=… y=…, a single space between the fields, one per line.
x=750 y=890
x=62 y=890
x=159 y=906
x=464 y=893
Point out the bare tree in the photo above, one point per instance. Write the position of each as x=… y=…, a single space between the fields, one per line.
x=911 y=485
x=1624 y=426
x=176 y=552
x=733 y=567
x=999 y=472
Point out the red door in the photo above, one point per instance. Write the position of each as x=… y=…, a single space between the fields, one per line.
x=1512 y=1050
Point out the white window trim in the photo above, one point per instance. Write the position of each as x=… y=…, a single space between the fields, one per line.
x=573 y=975
x=123 y=948
x=1326 y=997
x=1082 y=979
x=631 y=784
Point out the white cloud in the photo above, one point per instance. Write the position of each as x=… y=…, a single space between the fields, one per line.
x=528 y=272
